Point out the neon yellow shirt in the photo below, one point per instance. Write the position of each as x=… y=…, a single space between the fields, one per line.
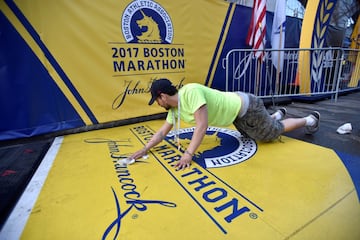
x=223 y=107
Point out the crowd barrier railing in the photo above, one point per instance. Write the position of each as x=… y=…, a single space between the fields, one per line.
x=302 y=72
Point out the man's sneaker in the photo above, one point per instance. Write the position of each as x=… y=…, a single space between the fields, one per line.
x=280 y=112
x=312 y=129
x=283 y=112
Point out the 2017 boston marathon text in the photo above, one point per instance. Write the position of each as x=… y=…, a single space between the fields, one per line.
x=133 y=59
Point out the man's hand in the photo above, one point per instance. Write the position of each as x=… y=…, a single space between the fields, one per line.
x=138 y=154
x=155 y=139
x=185 y=162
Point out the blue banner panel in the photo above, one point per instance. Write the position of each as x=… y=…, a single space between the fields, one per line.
x=30 y=101
x=235 y=38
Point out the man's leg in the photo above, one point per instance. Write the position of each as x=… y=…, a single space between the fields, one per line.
x=311 y=123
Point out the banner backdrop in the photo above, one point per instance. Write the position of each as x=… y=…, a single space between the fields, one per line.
x=69 y=64
x=74 y=63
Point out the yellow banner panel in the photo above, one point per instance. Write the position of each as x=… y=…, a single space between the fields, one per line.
x=112 y=50
x=305 y=42
x=355 y=44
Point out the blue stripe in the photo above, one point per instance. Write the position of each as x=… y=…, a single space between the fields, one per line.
x=352 y=164
x=218 y=45
x=51 y=59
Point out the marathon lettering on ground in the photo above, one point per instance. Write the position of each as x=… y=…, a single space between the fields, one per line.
x=217 y=199
x=234 y=189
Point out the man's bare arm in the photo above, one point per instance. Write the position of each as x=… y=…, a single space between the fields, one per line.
x=155 y=140
x=201 y=118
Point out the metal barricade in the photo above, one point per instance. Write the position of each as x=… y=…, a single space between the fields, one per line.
x=350 y=75
x=305 y=72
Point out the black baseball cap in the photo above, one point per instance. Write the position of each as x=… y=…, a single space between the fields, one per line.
x=159 y=86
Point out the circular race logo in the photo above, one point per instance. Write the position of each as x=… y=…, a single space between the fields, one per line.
x=220 y=147
x=145 y=21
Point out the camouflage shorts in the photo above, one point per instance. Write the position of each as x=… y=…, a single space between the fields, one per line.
x=257 y=122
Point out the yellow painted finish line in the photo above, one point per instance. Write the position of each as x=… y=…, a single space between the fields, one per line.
x=236 y=189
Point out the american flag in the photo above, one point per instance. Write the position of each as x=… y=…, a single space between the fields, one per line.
x=257 y=30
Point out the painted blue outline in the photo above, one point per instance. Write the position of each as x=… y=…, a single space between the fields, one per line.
x=11 y=4
x=352 y=165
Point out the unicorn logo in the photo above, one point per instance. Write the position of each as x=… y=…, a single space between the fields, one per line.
x=151 y=24
x=152 y=32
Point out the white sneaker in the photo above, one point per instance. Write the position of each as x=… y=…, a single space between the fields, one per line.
x=312 y=129
x=279 y=114
x=282 y=112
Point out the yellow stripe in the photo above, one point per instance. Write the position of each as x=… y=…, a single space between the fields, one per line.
x=355 y=77
x=226 y=30
x=355 y=35
x=38 y=52
x=305 y=42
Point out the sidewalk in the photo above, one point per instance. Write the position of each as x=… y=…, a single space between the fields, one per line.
x=333 y=115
